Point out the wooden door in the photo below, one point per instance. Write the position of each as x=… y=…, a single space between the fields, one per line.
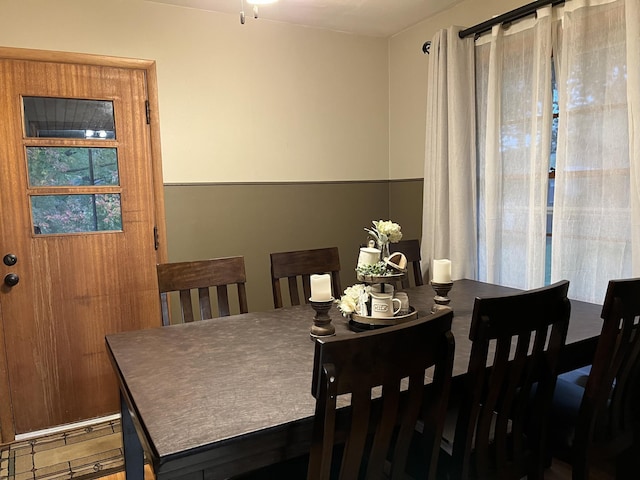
x=76 y=282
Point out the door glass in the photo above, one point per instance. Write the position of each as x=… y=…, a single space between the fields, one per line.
x=67 y=166
x=68 y=118
x=74 y=187
x=75 y=213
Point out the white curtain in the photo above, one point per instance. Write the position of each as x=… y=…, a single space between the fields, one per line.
x=596 y=207
x=513 y=75
x=449 y=218
x=596 y=231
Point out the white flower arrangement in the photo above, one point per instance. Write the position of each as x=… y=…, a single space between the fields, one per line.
x=354 y=297
x=385 y=231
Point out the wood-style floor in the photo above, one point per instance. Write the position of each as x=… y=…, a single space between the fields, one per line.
x=558 y=471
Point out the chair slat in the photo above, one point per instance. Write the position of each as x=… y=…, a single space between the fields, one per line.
x=204 y=302
x=223 y=301
x=186 y=306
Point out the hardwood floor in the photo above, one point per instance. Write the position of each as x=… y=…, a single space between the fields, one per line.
x=148 y=475
x=558 y=471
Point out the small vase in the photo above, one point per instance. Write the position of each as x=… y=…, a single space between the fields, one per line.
x=384 y=251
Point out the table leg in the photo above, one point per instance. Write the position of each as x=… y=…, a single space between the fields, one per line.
x=133 y=453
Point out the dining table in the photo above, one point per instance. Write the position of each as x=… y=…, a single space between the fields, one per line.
x=217 y=398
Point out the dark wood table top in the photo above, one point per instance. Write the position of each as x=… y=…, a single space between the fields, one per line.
x=209 y=392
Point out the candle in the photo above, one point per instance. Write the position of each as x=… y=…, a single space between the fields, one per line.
x=442 y=271
x=321 y=288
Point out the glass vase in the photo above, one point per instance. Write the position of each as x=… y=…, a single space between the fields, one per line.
x=384 y=251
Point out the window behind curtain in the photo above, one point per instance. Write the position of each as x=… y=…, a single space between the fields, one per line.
x=588 y=194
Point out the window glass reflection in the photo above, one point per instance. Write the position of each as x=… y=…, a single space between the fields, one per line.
x=68 y=118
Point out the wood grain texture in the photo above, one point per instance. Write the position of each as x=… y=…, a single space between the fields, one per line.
x=200 y=276
x=74 y=289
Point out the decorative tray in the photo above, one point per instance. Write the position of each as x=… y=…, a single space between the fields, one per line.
x=361 y=323
x=380 y=278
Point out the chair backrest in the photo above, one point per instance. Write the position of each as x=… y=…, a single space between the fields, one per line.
x=354 y=365
x=520 y=336
x=302 y=264
x=608 y=417
x=201 y=275
x=411 y=250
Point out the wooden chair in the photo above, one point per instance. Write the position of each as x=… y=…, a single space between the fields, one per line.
x=302 y=264
x=520 y=336
x=411 y=250
x=601 y=420
x=184 y=277
x=373 y=436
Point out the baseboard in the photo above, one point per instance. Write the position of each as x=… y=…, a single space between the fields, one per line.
x=61 y=428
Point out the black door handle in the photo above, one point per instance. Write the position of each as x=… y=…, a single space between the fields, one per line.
x=11 y=279
x=10 y=259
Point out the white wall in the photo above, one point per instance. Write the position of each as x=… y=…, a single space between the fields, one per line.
x=264 y=101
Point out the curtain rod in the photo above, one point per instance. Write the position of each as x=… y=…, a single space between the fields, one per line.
x=511 y=16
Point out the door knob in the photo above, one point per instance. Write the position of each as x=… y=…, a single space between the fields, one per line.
x=11 y=279
x=10 y=259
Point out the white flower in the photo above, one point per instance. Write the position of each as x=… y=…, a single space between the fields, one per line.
x=349 y=302
x=385 y=231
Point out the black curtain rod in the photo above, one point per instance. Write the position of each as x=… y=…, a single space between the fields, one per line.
x=511 y=16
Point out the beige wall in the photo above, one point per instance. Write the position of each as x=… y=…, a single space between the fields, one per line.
x=274 y=136
x=264 y=101
x=408 y=81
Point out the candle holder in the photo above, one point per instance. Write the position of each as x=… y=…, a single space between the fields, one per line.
x=441 y=299
x=322 y=326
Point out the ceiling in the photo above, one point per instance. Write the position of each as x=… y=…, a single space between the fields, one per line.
x=365 y=17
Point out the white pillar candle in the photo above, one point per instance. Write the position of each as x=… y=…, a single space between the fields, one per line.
x=442 y=271
x=321 y=288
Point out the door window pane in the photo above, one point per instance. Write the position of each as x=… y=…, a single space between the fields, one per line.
x=76 y=213
x=72 y=166
x=68 y=118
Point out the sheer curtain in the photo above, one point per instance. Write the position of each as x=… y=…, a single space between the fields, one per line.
x=501 y=236
x=595 y=215
x=449 y=215
x=513 y=102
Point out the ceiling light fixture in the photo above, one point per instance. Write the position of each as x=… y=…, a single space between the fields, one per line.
x=255 y=4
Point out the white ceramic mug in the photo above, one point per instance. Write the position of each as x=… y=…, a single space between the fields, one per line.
x=368 y=256
x=382 y=305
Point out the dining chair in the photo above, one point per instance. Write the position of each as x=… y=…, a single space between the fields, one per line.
x=411 y=250
x=201 y=275
x=497 y=423
x=600 y=420
x=372 y=438
x=370 y=392
x=298 y=266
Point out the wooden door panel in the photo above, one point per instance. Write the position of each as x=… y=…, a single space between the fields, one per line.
x=74 y=288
